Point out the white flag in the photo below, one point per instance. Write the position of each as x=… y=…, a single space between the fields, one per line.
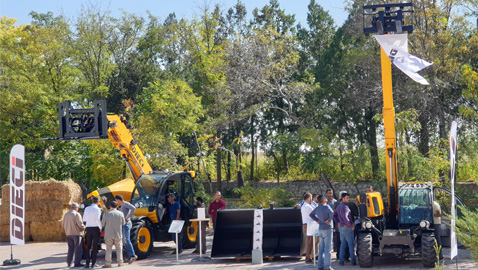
x=453 y=244
x=17 y=195
x=396 y=47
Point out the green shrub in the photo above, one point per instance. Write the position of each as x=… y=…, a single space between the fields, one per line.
x=467 y=230
x=254 y=197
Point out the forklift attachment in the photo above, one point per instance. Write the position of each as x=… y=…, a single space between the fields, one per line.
x=233 y=236
x=82 y=124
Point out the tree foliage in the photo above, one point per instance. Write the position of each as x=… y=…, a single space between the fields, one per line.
x=220 y=93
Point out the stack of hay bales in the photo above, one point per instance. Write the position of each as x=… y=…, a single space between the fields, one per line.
x=46 y=202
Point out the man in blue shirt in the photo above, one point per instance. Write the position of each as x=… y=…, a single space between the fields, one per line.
x=174 y=210
x=343 y=217
x=324 y=215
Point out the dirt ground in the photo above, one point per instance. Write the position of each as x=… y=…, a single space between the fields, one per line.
x=52 y=255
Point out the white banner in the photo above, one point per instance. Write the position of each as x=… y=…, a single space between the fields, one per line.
x=453 y=243
x=17 y=195
x=257 y=235
x=396 y=47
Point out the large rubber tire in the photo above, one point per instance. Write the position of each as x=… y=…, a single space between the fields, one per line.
x=429 y=256
x=364 y=250
x=142 y=238
x=190 y=235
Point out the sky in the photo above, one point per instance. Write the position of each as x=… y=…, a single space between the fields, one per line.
x=20 y=9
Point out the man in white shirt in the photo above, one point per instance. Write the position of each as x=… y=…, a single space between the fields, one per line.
x=437 y=223
x=305 y=210
x=92 y=218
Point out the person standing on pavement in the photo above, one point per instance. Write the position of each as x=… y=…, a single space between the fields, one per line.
x=174 y=210
x=128 y=210
x=315 y=200
x=324 y=216
x=200 y=204
x=305 y=210
x=437 y=225
x=74 y=228
x=113 y=223
x=92 y=219
x=215 y=205
x=343 y=217
x=330 y=198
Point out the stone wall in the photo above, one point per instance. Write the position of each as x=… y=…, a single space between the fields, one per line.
x=465 y=190
x=299 y=187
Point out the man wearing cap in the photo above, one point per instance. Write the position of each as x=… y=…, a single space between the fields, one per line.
x=74 y=229
x=92 y=219
x=343 y=217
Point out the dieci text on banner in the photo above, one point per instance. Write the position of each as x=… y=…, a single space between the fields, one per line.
x=17 y=195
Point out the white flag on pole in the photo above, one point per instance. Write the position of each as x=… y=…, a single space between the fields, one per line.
x=453 y=243
x=17 y=195
x=396 y=47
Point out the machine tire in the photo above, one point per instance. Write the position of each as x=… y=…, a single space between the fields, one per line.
x=364 y=250
x=189 y=239
x=142 y=238
x=429 y=256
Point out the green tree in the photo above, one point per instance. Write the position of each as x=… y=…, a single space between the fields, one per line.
x=36 y=75
x=165 y=110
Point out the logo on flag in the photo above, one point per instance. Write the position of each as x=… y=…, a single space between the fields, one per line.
x=396 y=47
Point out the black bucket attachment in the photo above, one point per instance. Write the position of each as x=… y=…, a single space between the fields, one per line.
x=282 y=228
x=82 y=124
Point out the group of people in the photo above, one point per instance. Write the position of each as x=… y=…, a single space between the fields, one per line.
x=116 y=224
x=338 y=225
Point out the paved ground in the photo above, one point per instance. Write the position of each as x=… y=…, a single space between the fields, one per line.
x=52 y=256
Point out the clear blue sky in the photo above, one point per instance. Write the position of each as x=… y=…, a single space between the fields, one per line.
x=20 y=9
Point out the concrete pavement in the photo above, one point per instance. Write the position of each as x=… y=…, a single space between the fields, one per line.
x=52 y=255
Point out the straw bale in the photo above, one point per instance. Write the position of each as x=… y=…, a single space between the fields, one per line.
x=42 y=211
x=67 y=192
x=47 y=231
x=5 y=233
x=5 y=193
x=39 y=211
x=4 y=214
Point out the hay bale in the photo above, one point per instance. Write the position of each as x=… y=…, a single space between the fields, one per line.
x=5 y=233
x=42 y=211
x=4 y=214
x=39 y=211
x=67 y=192
x=47 y=231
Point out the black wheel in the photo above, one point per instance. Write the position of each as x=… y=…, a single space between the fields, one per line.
x=142 y=238
x=364 y=249
x=429 y=256
x=190 y=234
